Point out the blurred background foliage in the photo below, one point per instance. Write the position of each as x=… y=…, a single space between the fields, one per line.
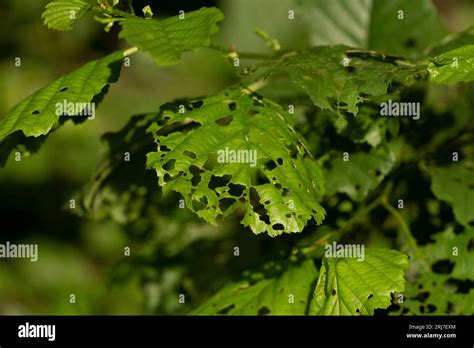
x=172 y=251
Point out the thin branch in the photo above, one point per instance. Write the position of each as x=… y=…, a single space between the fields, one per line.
x=406 y=231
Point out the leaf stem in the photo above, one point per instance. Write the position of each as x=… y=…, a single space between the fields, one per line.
x=405 y=229
x=254 y=86
x=130 y=51
x=130 y=5
x=244 y=55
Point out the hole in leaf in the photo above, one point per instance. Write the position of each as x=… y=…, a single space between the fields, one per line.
x=36 y=112
x=431 y=308
x=168 y=178
x=218 y=181
x=252 y=113
x=190 y=127
x=270 y=165
x=201 y=204
x=333 y=292
x=190 y=154
x=259 y=178
x=422 y=296
x=280 y=161
x=224 y=121
x=351 y=69
x=293 y=150
x=226 y=309
x=443 y=267
x=225 y=203
x=462 y=286
x=450 y=308
x=278 y=227
x=410 y=42
x=64 y=89
x=232 y=106
x=169 y=165
x=197 y=103
x=258 y=207
x=370 y=296
x=183 y=127
x=263 y=311
x=236 y=190
x=196 y=172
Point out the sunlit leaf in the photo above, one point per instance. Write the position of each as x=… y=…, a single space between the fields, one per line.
x=239 y=152
x=348 y=286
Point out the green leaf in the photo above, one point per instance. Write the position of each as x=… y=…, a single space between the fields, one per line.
x=453 y=41
x=337 y=78
x=361 y=173
x=368 y=127
x=274 y=182
x=122 y=190
x=421 y=26
x=368 y=24
x=453 y=66
x=455 y=248
x=347 y=286
x=434 y=294
x=455 y=185
x=440 y=292
x=63 y=14
x=281 y=288
x=343 y=22
x=167 y=39
x=36 y=115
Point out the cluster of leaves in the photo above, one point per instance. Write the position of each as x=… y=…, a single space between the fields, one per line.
x=327 y=148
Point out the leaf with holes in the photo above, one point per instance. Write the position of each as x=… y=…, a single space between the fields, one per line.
x=63 y=14
x=38 y=115
x=443 y=290
x=453 y=66
x=455 y=185
x=367 y=127
x=239 y=152
x=338 y=78
x=347 y=286
x=456 y=249
x=278 y=288
x=167 y=39
x=359 y=173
